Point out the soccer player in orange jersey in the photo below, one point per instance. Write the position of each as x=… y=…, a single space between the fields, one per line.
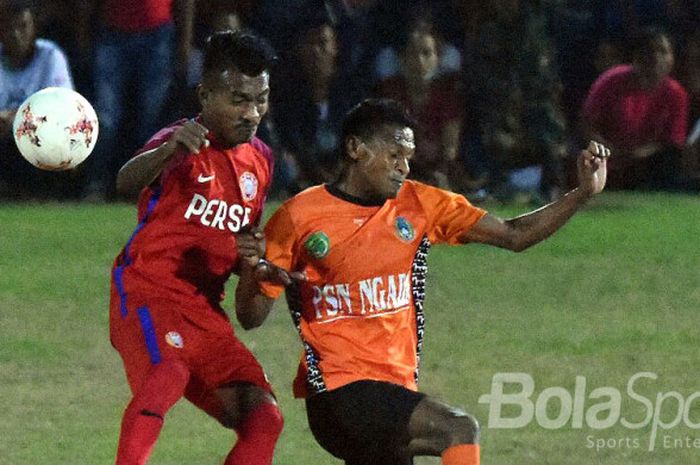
x=362 y=244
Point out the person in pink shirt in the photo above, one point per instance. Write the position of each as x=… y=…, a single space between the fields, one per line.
x=641 y=113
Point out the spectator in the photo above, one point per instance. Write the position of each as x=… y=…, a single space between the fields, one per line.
x=309 y=101
x=212 y=16
x=139 y=47
x=689 y=74
x=435 y=100
x=514 y=90
x=388 y=60
x=641 y=113
x=28 y=64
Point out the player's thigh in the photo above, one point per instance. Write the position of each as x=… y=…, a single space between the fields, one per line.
x=144 y=333
x=363 y=420
x=227 y=381
x=434 y=426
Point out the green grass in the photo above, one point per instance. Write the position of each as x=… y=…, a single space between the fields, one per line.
x=616 y=292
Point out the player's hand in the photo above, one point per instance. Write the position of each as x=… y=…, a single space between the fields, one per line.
x=592 y=168
x=266 y=271
x=251 y=246
x=191 y=136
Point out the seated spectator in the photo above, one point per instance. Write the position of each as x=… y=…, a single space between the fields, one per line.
x=513 y=94
x=435 y=100
x=308 y=102
x=689 y=75
x=388 y=60
x=641 y=113
x=212 y=16
x=28 y=64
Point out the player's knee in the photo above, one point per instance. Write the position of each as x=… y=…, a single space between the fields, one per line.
x=270 y=419
x=464 y=429
x=265 y=419
x=458 y=427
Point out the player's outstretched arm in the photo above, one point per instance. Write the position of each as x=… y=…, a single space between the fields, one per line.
x=524 y=231
x=144 y=168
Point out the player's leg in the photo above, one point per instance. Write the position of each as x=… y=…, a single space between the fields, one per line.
x=254 y=414
x=143 y=418
x=438 y=429
x=231 y=387
x=157 y=375
x=364 y=422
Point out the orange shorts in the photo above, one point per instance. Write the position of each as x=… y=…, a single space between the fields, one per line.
x=149 y=329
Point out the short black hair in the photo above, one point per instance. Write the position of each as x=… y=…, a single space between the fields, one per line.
x=642 y=41
x=372 y=115
x=10 y=8
x=248 y=53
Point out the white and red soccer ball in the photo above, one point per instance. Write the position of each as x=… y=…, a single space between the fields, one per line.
x=55 y=129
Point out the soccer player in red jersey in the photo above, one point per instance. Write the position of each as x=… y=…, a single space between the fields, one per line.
x=204 y=184
x=362 y=244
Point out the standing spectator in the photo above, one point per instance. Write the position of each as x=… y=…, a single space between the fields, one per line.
x=140 y=46
x=28 y=64
x=435 y=101
x=641 y=113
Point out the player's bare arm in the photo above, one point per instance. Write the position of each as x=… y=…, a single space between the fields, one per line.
x=252 y=306
x=143 y=169
x=524 y=231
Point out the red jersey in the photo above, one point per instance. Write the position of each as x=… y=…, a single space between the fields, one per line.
x=137 y=15
x=360 y=313
x=184 y=247
x=629 y=116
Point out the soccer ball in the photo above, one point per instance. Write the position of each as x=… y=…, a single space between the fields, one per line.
x=55 y=129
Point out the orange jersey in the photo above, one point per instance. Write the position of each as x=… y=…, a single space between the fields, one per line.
x=360 y=314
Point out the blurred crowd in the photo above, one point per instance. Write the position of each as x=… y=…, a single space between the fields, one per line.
x=506 y=91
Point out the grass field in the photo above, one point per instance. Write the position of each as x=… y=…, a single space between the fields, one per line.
x=615 y=293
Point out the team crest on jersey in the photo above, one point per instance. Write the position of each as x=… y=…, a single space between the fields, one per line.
x=404 y=229
x=249 y=186
x=318 y=245
x=174 y=339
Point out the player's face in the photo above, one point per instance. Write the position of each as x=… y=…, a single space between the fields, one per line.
x=383 y=162
x=18 y=33
x=233 y=105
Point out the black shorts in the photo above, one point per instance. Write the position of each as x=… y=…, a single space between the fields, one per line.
x=365 y=422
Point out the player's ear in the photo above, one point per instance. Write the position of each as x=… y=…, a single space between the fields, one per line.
x=353 y=148
x=203 y=94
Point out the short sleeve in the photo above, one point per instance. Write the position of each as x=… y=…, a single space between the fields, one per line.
x=60 y=72
x=450 y=215
x=280 y=238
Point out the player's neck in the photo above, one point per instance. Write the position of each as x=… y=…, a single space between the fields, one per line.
x=350 y=193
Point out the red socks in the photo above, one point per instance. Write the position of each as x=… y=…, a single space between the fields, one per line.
x=257 y=437
x=462 y=454
x=162 y=388
x=143 y=419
